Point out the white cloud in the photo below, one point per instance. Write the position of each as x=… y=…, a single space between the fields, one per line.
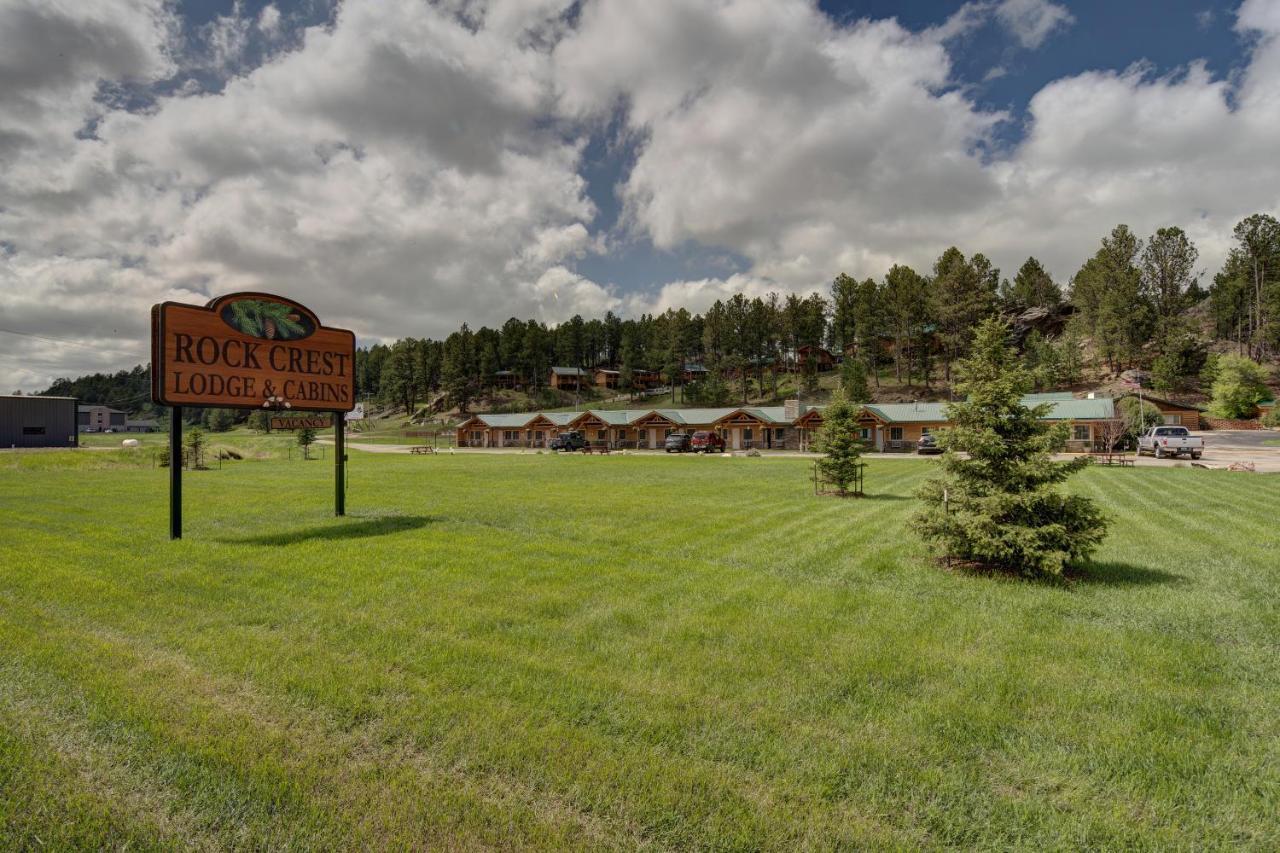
x=812 y=149
x=269 y=20
x=386 y=173
x=1028 y=21
x=1032 y=21
x=412 y=166
x=697 y=295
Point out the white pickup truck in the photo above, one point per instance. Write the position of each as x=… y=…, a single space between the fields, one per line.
x=1162 y=441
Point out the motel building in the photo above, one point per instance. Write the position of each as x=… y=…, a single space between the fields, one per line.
x=885 y=427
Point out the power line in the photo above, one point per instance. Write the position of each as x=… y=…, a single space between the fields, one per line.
x=130 y=353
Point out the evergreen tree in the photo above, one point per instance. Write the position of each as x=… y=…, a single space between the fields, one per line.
x=906 y=306
x=853 y=380
x=195 y=447
x=844 y=312
x=997 y=506
x=260 y=421
x=456 y=368
x=840 y=444
x=1168 y=270
x=1182 y=356
x=962 y=293
x=1032 y=287
x=306 y=438
x=1113 y=305
x=219 y=420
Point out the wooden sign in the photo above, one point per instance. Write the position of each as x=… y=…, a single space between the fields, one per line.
x=309 y=422
x=250 y=351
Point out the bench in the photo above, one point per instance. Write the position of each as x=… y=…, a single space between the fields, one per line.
x=589 y=449
x=422 y=448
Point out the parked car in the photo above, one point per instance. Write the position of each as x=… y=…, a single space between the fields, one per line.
x=707 y=442
x=928 y=444
x=572 y=440
x=678 y=442
x=1162 y=441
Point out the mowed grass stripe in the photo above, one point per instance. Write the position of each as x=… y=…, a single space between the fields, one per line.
x=528 y=651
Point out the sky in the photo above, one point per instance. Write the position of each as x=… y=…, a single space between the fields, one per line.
x=402 y=167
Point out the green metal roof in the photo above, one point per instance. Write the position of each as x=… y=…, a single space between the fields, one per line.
x=909 y=413
x=508 y=421
x=570 y=371
x=1063 y=407
x=1097 y=409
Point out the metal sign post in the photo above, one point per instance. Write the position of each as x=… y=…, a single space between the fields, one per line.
x=175 y=472
x=339 y=464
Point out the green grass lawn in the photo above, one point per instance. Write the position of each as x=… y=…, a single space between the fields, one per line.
x=617 y=652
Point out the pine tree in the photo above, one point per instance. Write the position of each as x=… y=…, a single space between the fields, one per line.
x=840 y=443
x=306 y=438
x=853 y=380
x=997 y=505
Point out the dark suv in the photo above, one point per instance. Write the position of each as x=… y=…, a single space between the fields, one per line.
x=568 y=441
x=706 y=441
x=678 y=442
x=928 y=444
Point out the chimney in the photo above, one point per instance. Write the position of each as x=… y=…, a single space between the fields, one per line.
x=791 y=409
x=1093 y=395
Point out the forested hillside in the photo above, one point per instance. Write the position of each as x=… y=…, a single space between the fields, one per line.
x=1136 y=303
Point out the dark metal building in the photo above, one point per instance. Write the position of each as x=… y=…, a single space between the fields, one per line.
x=38 y=422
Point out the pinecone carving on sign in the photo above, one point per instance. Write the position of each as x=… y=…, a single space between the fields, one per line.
x=269 y=320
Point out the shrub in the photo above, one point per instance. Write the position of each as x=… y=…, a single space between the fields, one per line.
x=1138 y=418
x=1239 y=385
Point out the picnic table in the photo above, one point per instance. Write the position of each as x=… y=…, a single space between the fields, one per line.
x=598 y=448
x=1109 y=458
x=422 y=448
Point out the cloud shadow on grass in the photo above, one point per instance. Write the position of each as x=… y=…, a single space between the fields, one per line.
x=374 y=526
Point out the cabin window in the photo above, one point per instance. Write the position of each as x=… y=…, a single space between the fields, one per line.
x=1081 y=432
x=864 y=433
x=1173 y=420
x=895 y=433
x=780 y=433
x=538 y=435
x=746 y=434
x=602 y=434
x=477 y=435
x=510 y=435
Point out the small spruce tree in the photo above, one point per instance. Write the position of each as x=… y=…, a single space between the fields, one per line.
x=839 y=442
x=306 y=438
x=997 y=505
x=195 y=446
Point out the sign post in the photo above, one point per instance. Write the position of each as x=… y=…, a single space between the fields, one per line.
x=249 y=351
x=339 y=465
x=175 y=473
